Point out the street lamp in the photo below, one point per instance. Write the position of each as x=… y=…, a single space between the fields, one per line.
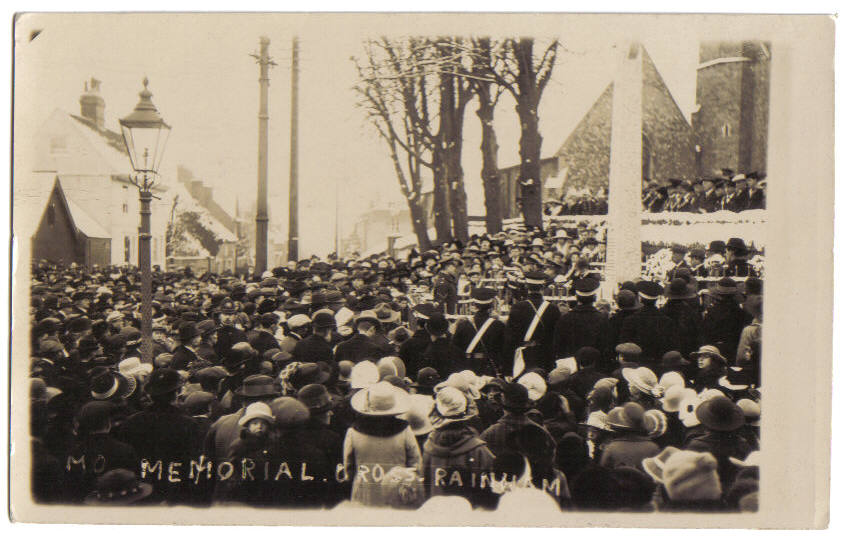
x=145 y=134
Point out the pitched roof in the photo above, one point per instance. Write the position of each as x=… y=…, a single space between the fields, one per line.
x=84 y=222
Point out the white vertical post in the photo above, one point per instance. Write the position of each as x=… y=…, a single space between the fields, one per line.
x=623 y=247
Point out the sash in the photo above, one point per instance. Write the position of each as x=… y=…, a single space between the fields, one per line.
x=519 y=364
x=530 y=331
x=478 y=336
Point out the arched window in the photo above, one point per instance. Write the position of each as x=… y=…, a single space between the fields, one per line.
x=646 y=158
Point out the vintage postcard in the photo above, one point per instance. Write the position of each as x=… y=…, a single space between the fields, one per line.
x=422 y=269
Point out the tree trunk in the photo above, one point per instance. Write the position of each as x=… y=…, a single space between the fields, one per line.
x=418 y=215
x=490 y=179
x=440 y=199
x=529 y=181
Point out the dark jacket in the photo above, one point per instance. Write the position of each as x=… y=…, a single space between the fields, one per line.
x=164 y=433
x=722 y=445
x=183 y=357
x=583 y=326
x=654 y=332
x=94 y=455
x=228 y=336
x=456 y=448
x=442 y=355
x=358 y=348
x=445 y=292
x=313 y=348
x=520 y=318
x=722 y=326
x=411 y=351
x=628 y=450
x=688 y=322
x=487 y=356
x=262 y=340
x=497 y=435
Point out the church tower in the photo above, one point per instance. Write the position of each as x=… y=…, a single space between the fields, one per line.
x=731 y=121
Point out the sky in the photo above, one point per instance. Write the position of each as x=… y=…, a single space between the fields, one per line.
x=205 y=84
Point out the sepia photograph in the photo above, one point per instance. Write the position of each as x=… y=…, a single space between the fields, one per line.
x=396 y=269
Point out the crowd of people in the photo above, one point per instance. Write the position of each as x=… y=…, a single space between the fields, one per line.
x=727 y=192
x=579 y=202
x=337 y=382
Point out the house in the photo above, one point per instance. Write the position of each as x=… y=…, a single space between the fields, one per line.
x=66 y=233
x=728 y=130
x=79 y=160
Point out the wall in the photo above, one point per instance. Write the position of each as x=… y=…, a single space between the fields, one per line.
x=586 y=150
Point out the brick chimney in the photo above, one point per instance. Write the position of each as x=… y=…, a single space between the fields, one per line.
x=91 y=103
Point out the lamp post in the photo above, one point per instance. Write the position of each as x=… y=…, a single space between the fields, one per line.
x=145 y=135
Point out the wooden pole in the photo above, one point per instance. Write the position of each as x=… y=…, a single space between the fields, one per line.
x=264 y=62
x=293 y=238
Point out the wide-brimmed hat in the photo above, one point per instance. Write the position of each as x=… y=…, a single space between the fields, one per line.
x=642 y=379
x=133 y=366
x=451 y=405
x=535 y=385
x=316 y=398
x=655 y=423
x=380 y=399
x=385 y=314
x=108 y=385
x=460 y=382
x=709 y=351
x=649 y=290
x=258 y=386
x=720 y=414
x=118 y=487
x=627 y=418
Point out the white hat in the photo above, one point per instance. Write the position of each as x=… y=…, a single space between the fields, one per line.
x=256 y=410
x=134 y=367
x=535 y=385
x=381 y=399
x=364 y=374
x=420 y=406
x=674 y=396
x=568 y=363
x=298 y=320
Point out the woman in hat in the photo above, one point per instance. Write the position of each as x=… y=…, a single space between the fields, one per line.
x=722 y=420
x=454 y=447
x=378 y=440
x=689 y=480
x=711 y=366
x=724 y=320
x=629 y=444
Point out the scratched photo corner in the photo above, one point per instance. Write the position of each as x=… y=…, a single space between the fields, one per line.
x=461 y=273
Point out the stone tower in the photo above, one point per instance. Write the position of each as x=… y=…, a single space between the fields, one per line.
x=731 y=121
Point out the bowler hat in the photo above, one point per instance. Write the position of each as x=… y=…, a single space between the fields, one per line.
x=725 y=286
x=437 y=324
x=258 y=386
x=649 y=290
x=163 y=381
x=427 y=378
x=323 y=319
x=679 y=289
x=118 y=487
x=239 y=354
x=187 y=331
x=627 y=300
x=673 y=359
x=737 y=244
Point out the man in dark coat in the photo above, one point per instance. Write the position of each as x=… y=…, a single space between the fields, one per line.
x=441 y=354
x=229 y=333
x=688 y=321
x=262 y=338
x=724 y=320
x=163 y=432
x=582 y=381
x=316 y=347
x=206 y=347
x=736 y=258
x=584 y=325
x=445 y=286
x=411 y=351
x=628 y=304
x=652 y=331
x=482 y=340
x=184 y=354
x=361 y=346
x=325 y=445
x=536 y=342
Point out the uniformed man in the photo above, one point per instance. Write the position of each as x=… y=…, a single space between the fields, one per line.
x=445 y=286
x=530 y=328
x=482 y=335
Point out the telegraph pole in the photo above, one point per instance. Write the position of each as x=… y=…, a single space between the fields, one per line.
x=264 y=62
x=292 y=190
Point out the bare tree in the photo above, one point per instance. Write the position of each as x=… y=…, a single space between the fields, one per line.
x=517 y=69
x=394 y=95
